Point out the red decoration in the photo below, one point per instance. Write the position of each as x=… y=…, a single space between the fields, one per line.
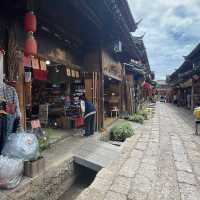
x=30 y=48
x=147 y=86
x=40 y=75
x=2 y=51
x=30 y=22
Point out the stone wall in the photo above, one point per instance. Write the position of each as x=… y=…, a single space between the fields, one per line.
x=49 y=185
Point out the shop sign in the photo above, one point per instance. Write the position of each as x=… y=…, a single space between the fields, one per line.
x=77 y=74
x=73 y=73
x=68 y=72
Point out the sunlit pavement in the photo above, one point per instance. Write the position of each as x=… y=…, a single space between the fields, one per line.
x=162 y=162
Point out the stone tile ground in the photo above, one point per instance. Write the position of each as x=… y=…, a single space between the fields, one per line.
x=162 y=162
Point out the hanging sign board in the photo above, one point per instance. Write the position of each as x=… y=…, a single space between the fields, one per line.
x=73 y=73
x=77 y=74
x=68 y=71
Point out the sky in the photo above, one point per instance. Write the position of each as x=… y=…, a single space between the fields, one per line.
x=171 y=28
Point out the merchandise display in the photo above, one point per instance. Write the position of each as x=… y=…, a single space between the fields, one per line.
x=74 y=108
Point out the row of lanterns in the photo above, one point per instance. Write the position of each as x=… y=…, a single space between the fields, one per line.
x=30 y=26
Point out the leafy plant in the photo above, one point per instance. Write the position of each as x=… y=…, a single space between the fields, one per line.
x=144 y=113
x=43 y=143
x=121 y=131
x=137 y=118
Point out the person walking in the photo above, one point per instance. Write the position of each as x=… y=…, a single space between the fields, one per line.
x=89 y=116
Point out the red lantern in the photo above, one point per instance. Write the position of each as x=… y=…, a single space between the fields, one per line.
x=30 y=48
x=30 y=22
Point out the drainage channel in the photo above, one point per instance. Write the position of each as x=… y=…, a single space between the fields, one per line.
x=83 y=180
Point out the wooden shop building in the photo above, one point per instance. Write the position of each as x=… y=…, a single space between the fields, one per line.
x=185 y=81
x=82 y=48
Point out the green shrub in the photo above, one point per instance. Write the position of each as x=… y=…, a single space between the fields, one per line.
x=137 y=118
x=144 y=113
x=121 y=131
x=43 y=143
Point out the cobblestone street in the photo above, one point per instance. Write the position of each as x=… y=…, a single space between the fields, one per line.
x=162 y=162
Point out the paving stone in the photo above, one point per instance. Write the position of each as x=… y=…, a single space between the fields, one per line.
x=185 y=177
x=141 y=146
x=137 y=154
x=91 y=194
x=180 y=157
x=115 y=196
x=101 y=184
x=121 y=185
x=189 y=192
x=183 y=166
x=137 y=195
x=142 y=184
x=129 y=168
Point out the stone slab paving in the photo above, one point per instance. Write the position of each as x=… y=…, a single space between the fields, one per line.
x=161 y=162
x=96 y=156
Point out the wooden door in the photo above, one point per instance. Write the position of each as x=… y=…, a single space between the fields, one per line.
x=92 y=92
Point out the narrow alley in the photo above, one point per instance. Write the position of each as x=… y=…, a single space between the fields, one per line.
x=162 y=162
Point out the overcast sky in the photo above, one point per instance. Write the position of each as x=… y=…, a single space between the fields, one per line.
x=172 y=30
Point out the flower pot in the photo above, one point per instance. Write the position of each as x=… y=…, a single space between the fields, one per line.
x=33 y=168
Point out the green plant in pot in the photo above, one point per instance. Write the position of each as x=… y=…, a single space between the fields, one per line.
x=121 y=131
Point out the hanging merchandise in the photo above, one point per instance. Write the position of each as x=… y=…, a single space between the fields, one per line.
x=27 y=74
x=26 y=61
x=35 y=63
x=30 y=48
x=30 y=23
x=27 y=69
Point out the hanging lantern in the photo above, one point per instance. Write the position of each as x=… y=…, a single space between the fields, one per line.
x=30 y=48
x=30 y=22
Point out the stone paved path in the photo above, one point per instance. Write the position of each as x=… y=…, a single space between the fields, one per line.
x=162 y=162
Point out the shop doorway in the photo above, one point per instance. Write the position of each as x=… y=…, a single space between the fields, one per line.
x=92 y=92
x=112 y=100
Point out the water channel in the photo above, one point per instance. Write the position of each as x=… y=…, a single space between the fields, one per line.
x=83 y=181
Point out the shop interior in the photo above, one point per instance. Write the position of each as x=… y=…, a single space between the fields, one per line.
x=55 y=101
x=112 y=98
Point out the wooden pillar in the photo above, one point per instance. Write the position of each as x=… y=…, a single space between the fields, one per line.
x=20 y=87
x=192 y=96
